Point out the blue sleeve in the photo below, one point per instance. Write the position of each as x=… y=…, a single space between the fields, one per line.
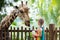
x=43 y=36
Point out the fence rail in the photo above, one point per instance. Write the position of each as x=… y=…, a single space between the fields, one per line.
x=26 y=30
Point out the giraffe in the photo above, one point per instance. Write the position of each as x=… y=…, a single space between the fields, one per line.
x=21 y=11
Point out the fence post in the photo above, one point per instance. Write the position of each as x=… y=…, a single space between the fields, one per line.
x=55 y=35
x=14 y=33
x=17 y=33
x=29 y=34
x=22 y=33
x=25 y=34
x=47 y=34
x=33 y=29
x=0 y=34
x=51 y=31
x=11 y=34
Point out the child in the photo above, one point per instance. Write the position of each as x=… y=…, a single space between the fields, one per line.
x=39 y=33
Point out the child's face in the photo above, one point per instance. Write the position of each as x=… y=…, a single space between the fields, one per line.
x=40 y=22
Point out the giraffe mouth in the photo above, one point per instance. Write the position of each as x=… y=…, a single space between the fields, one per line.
x=27 y=23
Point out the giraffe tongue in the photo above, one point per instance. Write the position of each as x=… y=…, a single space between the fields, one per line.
x=27 y=23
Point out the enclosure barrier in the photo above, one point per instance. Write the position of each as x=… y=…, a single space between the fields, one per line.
x=51 y=33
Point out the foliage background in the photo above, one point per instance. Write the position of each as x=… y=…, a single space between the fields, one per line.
x=49 y=10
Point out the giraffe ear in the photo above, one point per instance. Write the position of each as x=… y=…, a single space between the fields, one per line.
x=16 y=7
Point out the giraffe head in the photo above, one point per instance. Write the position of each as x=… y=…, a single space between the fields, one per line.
x=23 y=13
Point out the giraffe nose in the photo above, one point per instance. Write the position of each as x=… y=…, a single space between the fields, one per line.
x=27 y=23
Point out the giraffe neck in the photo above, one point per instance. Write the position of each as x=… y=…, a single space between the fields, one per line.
x=7 y=21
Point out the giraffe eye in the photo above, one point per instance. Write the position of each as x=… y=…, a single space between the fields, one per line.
x=21 y=11
x=16 y=7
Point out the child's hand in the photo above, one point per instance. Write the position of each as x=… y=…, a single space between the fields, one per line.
x=33 y=33
x=36 y=33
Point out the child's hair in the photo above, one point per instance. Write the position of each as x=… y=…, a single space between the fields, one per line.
x=41 y=21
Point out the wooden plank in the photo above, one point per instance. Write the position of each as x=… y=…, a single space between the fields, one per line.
x=55 y=35
x=22 y=33
x=17 y=34
x=47 y=37
x=33 y=29
x=1 y=34
x=5 y=34
x=14 y=33
x=11 y=33
x=51 y=31
x=29 y=35
x=25 y=34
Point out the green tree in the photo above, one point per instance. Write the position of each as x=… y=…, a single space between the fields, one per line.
x=3 y=3
x=2 y=16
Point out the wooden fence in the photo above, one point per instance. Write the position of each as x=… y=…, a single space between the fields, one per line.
x=51 y=33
